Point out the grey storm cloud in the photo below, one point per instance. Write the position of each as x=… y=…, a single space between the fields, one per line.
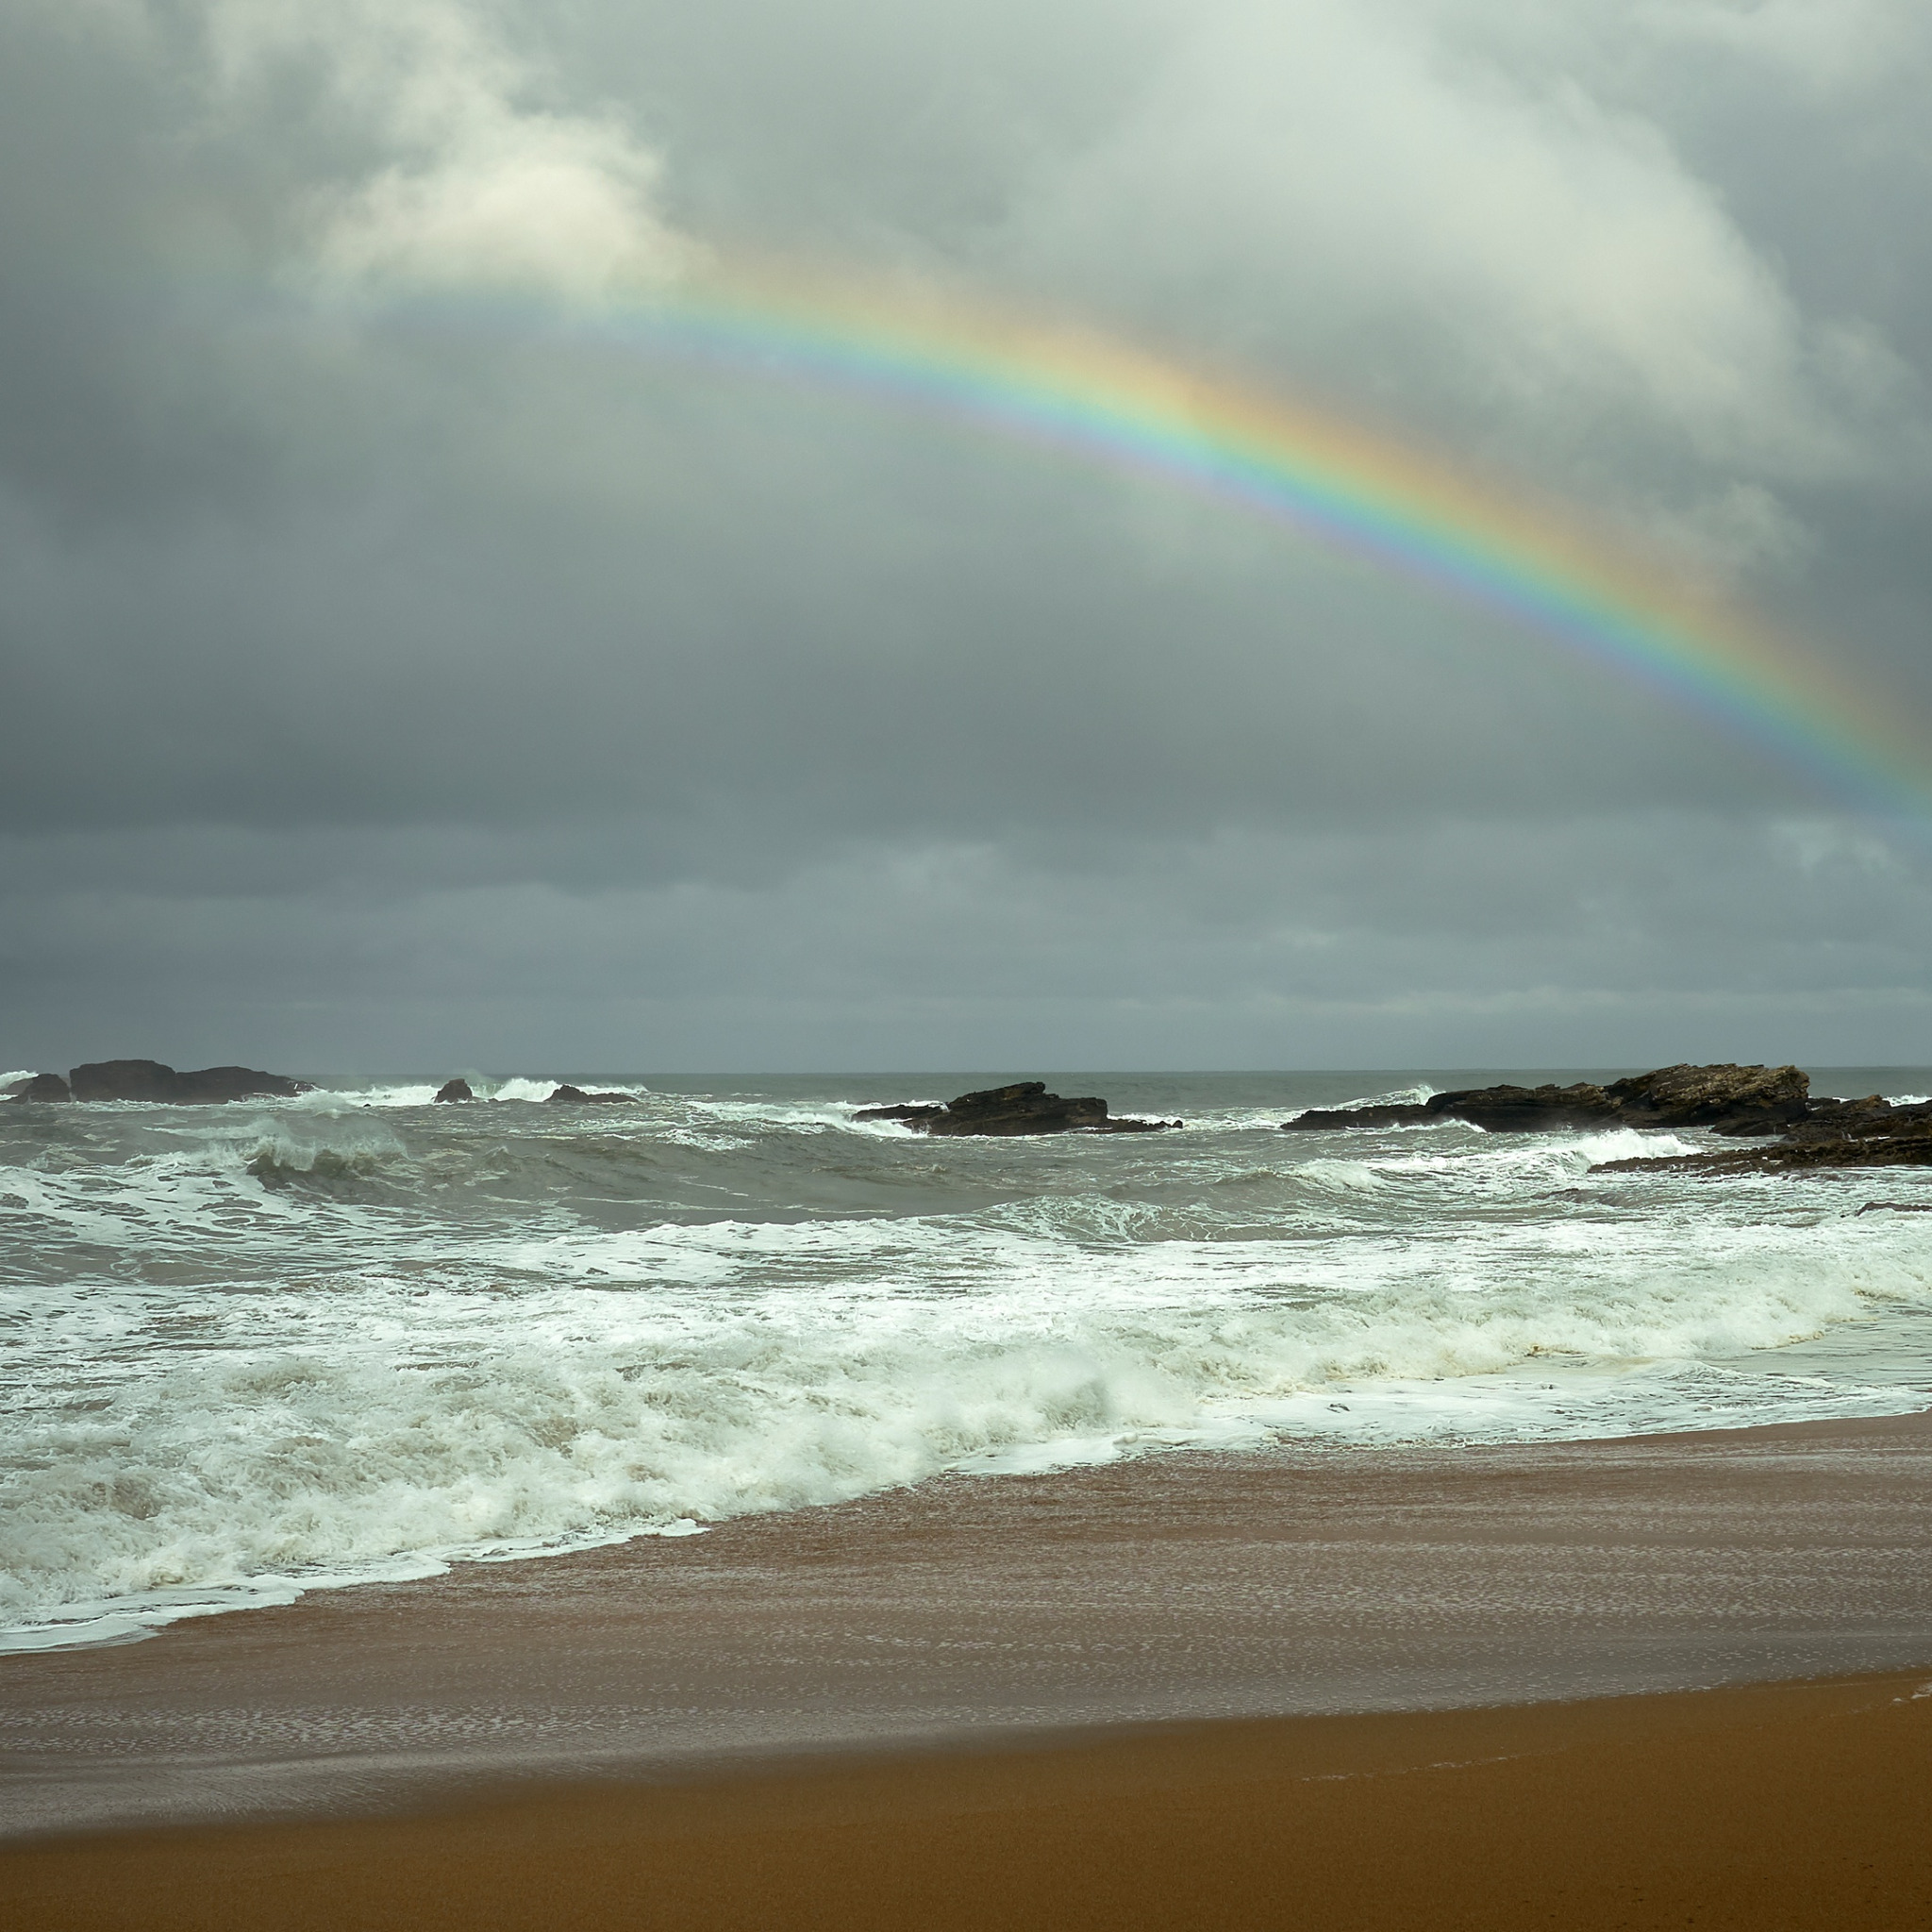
x=391 y=680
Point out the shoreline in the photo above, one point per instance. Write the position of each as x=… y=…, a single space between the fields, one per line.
x=985 y=1612
x=1784 y=1805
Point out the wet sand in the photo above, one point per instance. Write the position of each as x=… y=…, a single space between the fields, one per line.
x=1763 y=1809
x=696 y=1726
x=1178 y=1588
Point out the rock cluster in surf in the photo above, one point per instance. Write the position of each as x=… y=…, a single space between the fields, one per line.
x=459 y=1089
x=1023 y=1107
x=1727 y=1099
x=1872 y=1132
x=1733 y=1101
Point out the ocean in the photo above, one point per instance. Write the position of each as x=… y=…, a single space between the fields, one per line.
x=261 y=1349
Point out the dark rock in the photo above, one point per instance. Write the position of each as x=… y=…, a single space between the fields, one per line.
x=1023 y=1107
x=454 y=1090
x=1909 y=1149
x=124 y=1080
x=1526 y=1109
x=574 y=1096
x=41 y=1086
x=1832 y=1134
x=213 y=1084
x=1729 y=1099
x=1873 y=1117
x=151 y=1081
x=1392 y=1114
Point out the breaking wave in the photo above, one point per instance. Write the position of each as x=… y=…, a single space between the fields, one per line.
x=264 y=1349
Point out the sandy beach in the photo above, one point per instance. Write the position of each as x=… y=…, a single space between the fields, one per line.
x=1793 y=1806
x=965 y=965
x=1641 y=1682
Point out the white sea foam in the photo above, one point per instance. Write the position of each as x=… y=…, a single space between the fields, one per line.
x=257 y=1351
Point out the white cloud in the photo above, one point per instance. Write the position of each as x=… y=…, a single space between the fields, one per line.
x=475 y=178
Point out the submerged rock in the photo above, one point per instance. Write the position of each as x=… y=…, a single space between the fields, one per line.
x=454 y=1090
x=41 y=1086
x=1023 y=1107
x=151 y=1081
x=572 y=1095
x=1394 y=1113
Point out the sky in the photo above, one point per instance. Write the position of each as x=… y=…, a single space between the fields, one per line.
x=399 y=672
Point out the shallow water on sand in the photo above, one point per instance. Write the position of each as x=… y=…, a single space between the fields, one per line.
x=255 y=1349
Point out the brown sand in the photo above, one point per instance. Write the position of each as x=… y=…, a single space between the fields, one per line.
x=1011 y=1626
x=1182 y=1588
x=1760 y=1808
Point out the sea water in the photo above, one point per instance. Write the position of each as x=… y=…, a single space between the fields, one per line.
x=263 y=1348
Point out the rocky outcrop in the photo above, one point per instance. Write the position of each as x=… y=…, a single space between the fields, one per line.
x=1873 y=1117
x=1728 y=1099
x=151 y=1081
x=41 y=1086
x=1023 y=1107
x=568 y=1095
x=452 y=1090
x=1526 y=1109
x=1905 y=1149
x=1833 y=1134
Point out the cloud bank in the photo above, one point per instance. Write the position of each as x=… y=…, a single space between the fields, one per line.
x=392 y=680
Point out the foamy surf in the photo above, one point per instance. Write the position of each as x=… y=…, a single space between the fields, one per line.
x=258 y=1349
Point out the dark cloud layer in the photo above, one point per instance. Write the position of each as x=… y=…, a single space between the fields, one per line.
x=390 y=681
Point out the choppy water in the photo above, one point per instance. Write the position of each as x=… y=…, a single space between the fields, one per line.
x=254 y=1349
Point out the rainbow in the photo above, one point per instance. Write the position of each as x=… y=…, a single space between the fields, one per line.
x=1072 y=389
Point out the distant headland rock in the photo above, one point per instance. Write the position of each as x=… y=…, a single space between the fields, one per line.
x=1023 y=1107
x=151 y=1081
